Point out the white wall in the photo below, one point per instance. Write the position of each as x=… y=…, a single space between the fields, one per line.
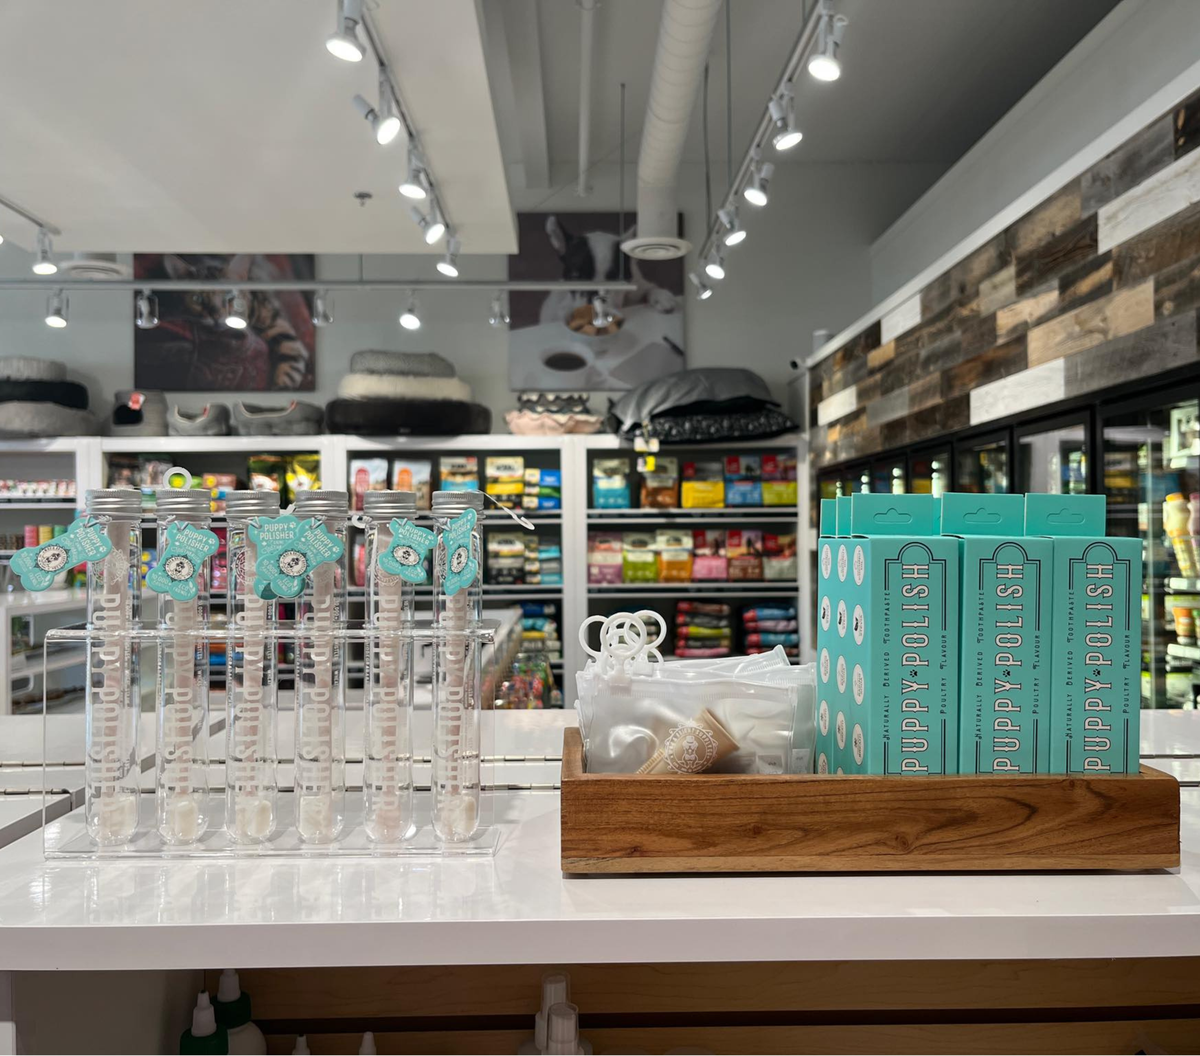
x=804 y=265
x=1133 y=53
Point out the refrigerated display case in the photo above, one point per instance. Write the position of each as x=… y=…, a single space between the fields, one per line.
x=1052 y=457
x=929 y=471
x=1150 y=450
x=887 y=475
x=982 y=464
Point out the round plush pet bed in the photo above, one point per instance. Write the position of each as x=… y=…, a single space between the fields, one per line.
x=19 y=418
x=402 y=387
x=64 y=393
x=407 y=417
x=30 y=368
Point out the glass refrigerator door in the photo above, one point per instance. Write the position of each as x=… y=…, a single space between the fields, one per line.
x=930 y=472
x=982 y=465
x=1151 y=474
x=887 y=475
x=1053 y=459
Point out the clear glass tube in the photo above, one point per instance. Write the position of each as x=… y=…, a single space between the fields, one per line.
x=456 y=690
x=252 y=693
x=387 y=741
x=321 y=680
x=181 y=758
x=112 y=696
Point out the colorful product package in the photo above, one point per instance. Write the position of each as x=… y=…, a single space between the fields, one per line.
x=703 y=485
x=505 y=479
x=1095 y=639
x=303 y=474
x=604 y=557
x=543 y=489
x=458 y=473
x=414 y=474
x=744 y=547
x=638 y=557
x=887 y=638
x=779 y=480
x=610 y=484
x=674 y=546
x=219 y=485
x=660 y=485
x=708 y=554
x=1005 y=659
x=367 y=474
x=743 y=480
x=779 y=556
x=505 y=564
x=266 y=473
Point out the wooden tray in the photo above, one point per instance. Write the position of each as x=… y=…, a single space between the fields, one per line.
x=738 y=823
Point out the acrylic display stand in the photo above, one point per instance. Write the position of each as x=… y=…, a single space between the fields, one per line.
x=68 y=837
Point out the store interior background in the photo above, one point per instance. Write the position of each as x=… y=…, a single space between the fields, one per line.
x=942 y=119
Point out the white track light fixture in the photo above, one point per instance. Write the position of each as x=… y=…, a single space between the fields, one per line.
x=343 y=42
x=147 y=310
x=384 y=121
x=703 y=289
x=236 y=311
x=448 y=265
x=602 y=315
x=714 y=267
x=432 y=225
x=56 y=310
x=42 y=264
x=734 y=232
x=783 y=114
x=498 y=313
x=416 y=182
x=756 y=189
x=824 y=64
x=409 y=319
x=1 y=240
x=322 y=308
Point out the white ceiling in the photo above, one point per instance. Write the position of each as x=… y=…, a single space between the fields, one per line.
x=224 y=125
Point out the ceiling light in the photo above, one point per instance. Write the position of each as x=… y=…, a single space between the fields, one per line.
x=409 y=318
x=601 y=312
x=498 y=314
x=432 y=226
x=322 y=308
x=448 y=265
x=1 y=240
x=783 y=113
x=235 y=310
x=823 y=64
x=56 y=310
x=147 y=310
x=714 y=267
x=755 y=191
x=416 y=183
x=343 y=41
x=734 y=232
x=703 y=289
x=384 y=121
x=42 y=264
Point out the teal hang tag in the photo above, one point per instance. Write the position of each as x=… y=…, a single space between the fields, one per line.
x=180 y=562
x=284 y=563
x=270 y=535
x=405 y=555
x=460 y=568
x=83 y=540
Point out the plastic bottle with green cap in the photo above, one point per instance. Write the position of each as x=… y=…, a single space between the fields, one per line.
x=233 y=1013
x=206 y=1035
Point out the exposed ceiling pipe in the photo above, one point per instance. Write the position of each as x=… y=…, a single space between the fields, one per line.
x=587 y=52
x=684 y=36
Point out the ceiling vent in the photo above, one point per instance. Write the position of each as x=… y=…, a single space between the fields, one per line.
x=659 y=247
x=94 y=266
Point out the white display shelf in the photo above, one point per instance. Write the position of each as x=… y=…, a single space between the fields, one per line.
x=43 y=505
x=751 y=588
x=599 y=513
x=30 y=664
x=250 y=445
x=34 y=603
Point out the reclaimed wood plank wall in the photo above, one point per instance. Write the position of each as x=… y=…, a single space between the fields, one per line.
x=1097 y=285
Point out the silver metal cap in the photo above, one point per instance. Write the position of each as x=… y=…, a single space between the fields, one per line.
x=117 y=502
x=257 y=503
x=384 y=505
x=183 y=502
x=322 y=504
x=456 y=502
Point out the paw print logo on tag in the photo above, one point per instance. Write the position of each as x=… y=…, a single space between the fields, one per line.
x=858 y=684
x=842 y=619
x=860 y=565
x=404 y=556
x=823 y=718
x=841 y=674
x=826 y=613
x=857 y=744
x=38 y=565
x=179 y=565
x=841 y=730
x=460 y=568
x=843 y=562
x=824 y=665
x=859 y=625
x=826 y=561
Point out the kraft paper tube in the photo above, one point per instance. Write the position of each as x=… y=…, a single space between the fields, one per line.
x=692 y=748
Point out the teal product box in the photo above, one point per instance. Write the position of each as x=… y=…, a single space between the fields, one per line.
x=887 y=639
x=1005 y=658
x=1095 y=638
